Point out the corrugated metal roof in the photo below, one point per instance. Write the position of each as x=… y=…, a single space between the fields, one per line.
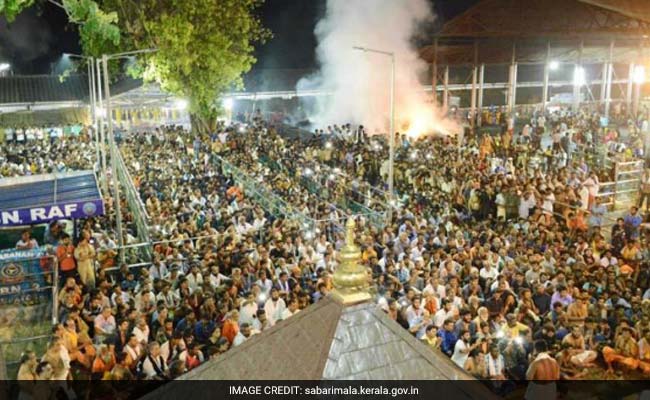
x=42 y=88
x=50 y=88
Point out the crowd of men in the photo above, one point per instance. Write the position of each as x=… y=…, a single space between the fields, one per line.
x=497 y=256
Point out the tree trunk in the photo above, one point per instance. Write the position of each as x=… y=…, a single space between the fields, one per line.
x=202 y=125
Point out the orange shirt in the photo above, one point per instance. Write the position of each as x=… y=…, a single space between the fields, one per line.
x=100 y=366
x=65 y=255
x=230 y=330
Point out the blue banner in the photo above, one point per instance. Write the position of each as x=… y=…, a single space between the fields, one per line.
x=41 y=215
x=24 y=276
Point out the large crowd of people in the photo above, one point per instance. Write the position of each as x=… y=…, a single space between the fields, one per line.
x=499 y=253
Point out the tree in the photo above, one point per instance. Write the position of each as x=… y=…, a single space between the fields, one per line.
x=204 y=47
x=95 y=26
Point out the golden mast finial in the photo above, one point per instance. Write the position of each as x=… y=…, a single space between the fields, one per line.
x=350 y=278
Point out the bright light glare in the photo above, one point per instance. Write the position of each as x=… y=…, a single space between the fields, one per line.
x=638 y=75
x=519 y=340
x=308 y=172
x=100 y=112
x=180 y=104
x=4 y=67
x=228 y=104
x=554 y=65
x=328 y=145
x=579 y=76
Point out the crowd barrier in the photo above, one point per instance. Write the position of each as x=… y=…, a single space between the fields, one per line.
x=137 y=208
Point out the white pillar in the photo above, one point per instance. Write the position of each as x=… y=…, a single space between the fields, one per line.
x=434 y=73
x=610 y=71
x=603 y=82
x=628 y=93
x=577 y=89
x=445 y=91
x=514 y=84
x=547 y=72
x=472 y=111
x=481 y=78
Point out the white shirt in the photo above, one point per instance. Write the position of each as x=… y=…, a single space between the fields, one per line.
x=194 y=282
x=142 y=335
x=461 y=354
x=148 y=366
x=239 y=339
x=440 y=317
x=287 y=313
x=266 y=286
x=274 y=310
x=491 y=274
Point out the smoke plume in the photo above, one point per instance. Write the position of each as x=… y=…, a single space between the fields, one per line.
x=359 y=82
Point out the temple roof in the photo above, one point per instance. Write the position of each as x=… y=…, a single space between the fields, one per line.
x=332 y=341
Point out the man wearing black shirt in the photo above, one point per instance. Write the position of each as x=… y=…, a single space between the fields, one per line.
x=542 y=300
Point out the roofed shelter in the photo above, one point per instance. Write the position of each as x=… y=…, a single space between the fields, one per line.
x=610 y=37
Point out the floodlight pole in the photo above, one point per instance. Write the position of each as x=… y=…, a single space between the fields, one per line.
x=100 y=126
x=113 y=147
x=92 y=93
x=116 y=183
x=391 y=133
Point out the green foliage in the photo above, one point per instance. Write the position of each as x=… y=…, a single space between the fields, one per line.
x=97 y=28
x=11 y=8
x=204 y=46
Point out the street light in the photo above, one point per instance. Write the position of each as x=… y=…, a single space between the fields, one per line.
x=4 y=67
x=391 y=133
x=554 y=65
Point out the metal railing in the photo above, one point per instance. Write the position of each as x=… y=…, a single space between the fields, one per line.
x=137 y=208
x=625 y=187
x=263 y=196
x=309 y=181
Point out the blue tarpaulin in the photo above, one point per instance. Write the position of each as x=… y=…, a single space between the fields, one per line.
x=42 y=198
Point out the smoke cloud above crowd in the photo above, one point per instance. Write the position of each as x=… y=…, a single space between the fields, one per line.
x=359 y=82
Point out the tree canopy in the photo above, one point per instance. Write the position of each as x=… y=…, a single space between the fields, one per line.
x=203 y=46
x=95 y=25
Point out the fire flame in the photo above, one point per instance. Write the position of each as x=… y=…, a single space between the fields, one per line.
x=423 y=119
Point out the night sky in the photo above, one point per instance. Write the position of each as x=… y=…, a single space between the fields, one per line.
x=39 y=36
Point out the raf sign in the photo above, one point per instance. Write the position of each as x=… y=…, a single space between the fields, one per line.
x=40 y=215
